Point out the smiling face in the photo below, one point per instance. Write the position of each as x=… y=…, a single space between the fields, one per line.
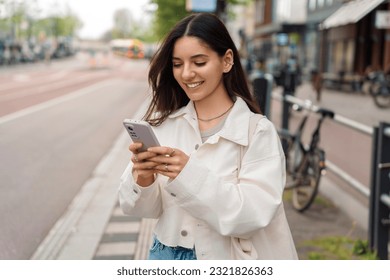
x=198 y=69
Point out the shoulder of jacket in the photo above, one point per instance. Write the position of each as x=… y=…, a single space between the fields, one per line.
x=262 y=122
x=255 y=120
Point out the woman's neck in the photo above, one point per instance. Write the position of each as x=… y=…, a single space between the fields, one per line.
x=210 y=113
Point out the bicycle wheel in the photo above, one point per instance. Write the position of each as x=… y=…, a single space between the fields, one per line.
x=295 y=157
x=304 y=193
x=382 y=100
x=380 y=91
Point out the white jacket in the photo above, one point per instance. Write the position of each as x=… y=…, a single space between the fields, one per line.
x=211 y=201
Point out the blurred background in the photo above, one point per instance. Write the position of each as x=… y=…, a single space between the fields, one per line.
x=317 y=36
x=72 y=70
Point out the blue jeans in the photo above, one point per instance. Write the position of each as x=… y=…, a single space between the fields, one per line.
x=160 y=251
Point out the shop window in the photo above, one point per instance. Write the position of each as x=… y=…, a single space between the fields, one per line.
x=259 y=11
x=312 y=4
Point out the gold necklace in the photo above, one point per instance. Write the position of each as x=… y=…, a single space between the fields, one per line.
x=209 y=120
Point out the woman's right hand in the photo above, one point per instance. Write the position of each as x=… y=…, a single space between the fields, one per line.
x=143 y=169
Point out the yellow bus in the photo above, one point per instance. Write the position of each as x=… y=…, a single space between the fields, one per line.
x=130 y=48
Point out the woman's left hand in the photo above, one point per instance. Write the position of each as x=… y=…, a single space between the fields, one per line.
x=170 y=161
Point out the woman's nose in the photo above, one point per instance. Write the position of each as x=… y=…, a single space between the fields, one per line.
x=187 y=73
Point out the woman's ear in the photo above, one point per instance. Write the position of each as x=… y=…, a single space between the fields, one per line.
x=228 y=61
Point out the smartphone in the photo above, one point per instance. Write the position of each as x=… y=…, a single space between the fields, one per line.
x=141 y=131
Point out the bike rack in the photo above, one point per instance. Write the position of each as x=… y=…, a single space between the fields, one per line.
x=379 y=191
x=342 y=120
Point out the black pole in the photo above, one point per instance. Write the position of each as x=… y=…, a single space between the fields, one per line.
x=288 y=89
x=374 y=166
x=221 y=8
x=382 y=212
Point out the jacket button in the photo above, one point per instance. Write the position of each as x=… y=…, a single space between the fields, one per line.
x=134 y=190
x=183 y=233
x=196 y=146
x=172 y=194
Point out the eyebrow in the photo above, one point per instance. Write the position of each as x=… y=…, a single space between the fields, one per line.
x=194 y=56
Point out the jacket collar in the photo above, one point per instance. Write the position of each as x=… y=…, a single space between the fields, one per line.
x=236 y=126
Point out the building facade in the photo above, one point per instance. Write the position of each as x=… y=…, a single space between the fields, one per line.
x=331 y=36
x=352 y=41
x=279 y=31
x=317 y=12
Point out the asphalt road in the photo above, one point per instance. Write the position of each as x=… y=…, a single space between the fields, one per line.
x=56 y=122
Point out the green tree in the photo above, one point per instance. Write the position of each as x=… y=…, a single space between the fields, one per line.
x=70 y=24
x=58 y=26
x=168 y=13
x=20 y=21
x=19 y=12
x=123 y=24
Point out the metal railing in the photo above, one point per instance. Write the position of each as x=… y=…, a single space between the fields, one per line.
x=379 y=190
x=307 y=105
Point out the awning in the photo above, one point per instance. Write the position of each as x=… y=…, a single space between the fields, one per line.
x=350 y=12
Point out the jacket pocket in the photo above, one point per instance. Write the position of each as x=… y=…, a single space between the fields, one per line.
x=242 y=249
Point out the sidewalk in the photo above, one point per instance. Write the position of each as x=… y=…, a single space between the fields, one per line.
x=95 y=228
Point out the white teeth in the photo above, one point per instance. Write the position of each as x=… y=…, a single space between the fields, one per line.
x=193 y=85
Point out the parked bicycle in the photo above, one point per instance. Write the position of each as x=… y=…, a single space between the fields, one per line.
x=379 y=88
x=305 y=164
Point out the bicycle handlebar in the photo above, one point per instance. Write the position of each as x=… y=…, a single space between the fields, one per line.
x=326 y=113
x=298 y=105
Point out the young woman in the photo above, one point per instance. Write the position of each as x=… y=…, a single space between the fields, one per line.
x=216 y=183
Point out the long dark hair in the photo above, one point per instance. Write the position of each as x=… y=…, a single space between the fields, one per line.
x=167 y=95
